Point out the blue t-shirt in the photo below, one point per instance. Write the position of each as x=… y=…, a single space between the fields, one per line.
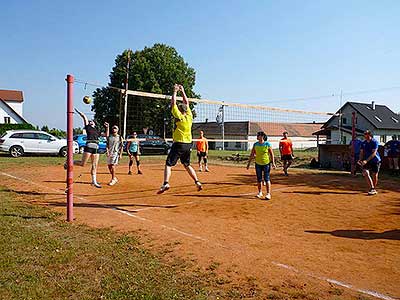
x=368 y=148
x=393 y=147
x=357 y=146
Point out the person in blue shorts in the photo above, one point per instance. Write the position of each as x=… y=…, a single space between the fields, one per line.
x=264 y=156
x=370 y=161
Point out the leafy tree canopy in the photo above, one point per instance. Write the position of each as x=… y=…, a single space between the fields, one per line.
x=156 y=70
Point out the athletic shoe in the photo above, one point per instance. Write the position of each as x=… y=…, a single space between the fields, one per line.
x=130 y=173
x=268 y=197
x=96 y=184
x=113 y=181
x=372 y=192
x=199 y=186
x=200 y=170
x=259 y=195
x=140 y=172
x=65 y=165
x=163 y=188
x=207 y=170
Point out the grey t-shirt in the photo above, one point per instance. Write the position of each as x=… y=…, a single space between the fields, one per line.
x=114 y=144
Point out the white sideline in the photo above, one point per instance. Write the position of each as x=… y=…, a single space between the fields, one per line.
x=280 y=265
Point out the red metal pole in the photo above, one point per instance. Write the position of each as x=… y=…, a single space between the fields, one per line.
x=353 y=147
x=70 y=155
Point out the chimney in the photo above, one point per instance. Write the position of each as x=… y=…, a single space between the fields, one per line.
x=373 y=105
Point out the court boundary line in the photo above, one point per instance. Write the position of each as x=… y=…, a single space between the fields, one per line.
x=277 y=264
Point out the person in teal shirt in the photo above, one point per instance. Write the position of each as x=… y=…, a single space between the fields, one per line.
x=264 y=157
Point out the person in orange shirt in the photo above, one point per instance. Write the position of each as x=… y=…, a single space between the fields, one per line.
x=202 y=151
x=286 y=149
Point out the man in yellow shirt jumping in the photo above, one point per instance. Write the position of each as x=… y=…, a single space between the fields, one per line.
x=182 y=140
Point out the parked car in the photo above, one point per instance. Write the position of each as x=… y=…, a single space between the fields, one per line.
x=19 y=142
x=81 y=140
x=151 y=144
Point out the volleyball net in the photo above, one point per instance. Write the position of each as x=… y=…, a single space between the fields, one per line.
x=228 y=126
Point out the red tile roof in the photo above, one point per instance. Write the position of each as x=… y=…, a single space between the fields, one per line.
x=10 y=95
x=276 y=129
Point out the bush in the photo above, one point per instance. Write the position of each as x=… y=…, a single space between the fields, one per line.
x=6 y=127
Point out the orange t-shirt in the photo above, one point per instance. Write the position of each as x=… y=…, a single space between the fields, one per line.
x=286 y=146
x=202 y=145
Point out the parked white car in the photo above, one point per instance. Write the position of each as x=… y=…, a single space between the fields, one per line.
x=18 y=142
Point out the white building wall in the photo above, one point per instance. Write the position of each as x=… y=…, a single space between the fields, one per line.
x=17 y=106
x=298 y=142
x=5 y=112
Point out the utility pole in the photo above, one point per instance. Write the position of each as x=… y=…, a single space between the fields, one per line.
x=340 y=118
x=126 y=92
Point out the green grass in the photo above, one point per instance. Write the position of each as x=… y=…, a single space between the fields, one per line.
x=43 y=257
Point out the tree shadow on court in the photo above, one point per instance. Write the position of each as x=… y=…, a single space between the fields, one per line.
x=217 y=196
x=362 y=234
x=32 y=193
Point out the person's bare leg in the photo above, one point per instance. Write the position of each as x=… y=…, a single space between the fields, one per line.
x=192 y=172
x=368 y=178
x=167 y=173
x=110 y=168
x=137 y=159
x=374 y=179
x=84 y=160
x=259 y=186
x=93 y=170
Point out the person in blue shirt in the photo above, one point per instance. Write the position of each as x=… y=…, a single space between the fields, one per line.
x=264 y=157
x=393 y=152
x=355 y=147
x=370 y=161
x=133 y=150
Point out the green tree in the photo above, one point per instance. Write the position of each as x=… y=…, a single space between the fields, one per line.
x=45 y=128
x=154 y=70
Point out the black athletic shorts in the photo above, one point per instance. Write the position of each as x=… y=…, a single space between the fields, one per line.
x=135 y=154
x=179 y=151
x=91 y=150
x=287 y=157
x=201 y=154
x=373 y=167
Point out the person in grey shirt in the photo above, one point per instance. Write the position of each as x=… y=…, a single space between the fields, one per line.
x=114 y=150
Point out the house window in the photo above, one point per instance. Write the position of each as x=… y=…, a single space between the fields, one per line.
x=238 y=145
x=344 y=120
x=7 y=120
x=344 y=140
x=395 y=120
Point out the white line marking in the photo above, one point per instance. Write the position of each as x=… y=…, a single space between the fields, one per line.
x=293 y=269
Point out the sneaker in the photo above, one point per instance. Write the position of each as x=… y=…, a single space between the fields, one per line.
x=199 y=186
x=207 y=170
x=140 y=172
x=113 y=181
x=372 y=192
x=65 y=165
x=259 y=195
x=200 y=170
x=130 y=173
x=163 y=188
x=96 y=184
x=268 y=197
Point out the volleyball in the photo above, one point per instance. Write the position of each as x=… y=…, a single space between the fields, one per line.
x=87 y=100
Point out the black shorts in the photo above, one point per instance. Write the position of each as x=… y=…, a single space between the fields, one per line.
x=135 y=154
x=372 y=166
x=201 y=154
x=179 y=151
x=287 y=157
x=91 y=150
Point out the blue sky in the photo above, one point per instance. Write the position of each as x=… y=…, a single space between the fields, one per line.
x=263 y=52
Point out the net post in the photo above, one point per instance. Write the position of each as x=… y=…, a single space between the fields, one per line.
x=353 y=137
x=70 y=147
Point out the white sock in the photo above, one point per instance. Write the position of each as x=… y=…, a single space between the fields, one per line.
x=94 y=180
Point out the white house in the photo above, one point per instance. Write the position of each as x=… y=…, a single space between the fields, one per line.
x=11 y=107
x=382 y=121
x=241 y=135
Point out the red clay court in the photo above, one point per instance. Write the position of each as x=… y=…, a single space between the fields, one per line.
x=319 y=230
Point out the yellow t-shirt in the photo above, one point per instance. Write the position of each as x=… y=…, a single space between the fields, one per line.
x=262 y=154
x=183 y=130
